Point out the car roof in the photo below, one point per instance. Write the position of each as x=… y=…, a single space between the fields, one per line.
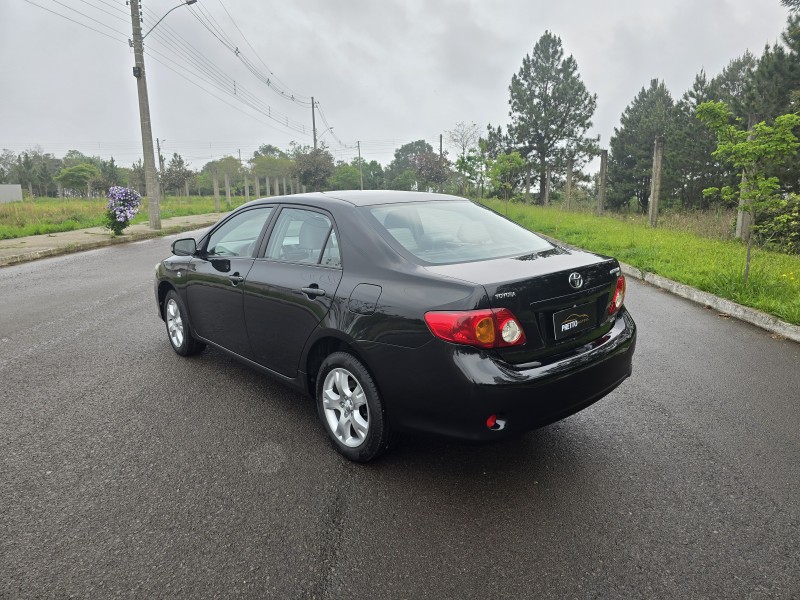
x=358 y=197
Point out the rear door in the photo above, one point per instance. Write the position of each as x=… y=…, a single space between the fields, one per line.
x=289 y=289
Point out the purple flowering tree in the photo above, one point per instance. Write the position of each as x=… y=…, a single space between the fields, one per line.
x=123 y=204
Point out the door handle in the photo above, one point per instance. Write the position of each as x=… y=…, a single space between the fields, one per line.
x=313 y=291
x=236 y=278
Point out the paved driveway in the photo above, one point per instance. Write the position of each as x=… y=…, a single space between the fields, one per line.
x=128 y=471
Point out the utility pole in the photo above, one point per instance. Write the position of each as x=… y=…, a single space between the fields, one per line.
x=360 y=166
x=313 y=122
x=153 y=196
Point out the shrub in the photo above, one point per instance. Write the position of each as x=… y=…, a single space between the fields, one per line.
x=779 y=227
x=123 y=204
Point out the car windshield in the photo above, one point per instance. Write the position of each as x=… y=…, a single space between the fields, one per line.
x=454 y=232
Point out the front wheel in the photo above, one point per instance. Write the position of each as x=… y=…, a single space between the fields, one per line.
x=351 y=409
x=178 y=328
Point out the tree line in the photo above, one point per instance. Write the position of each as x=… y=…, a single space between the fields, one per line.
x=540 y=155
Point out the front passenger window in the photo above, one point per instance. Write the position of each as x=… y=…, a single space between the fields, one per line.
x=238 y=235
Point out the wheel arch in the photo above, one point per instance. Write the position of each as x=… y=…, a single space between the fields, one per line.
x=164 y=288
x=324 y=347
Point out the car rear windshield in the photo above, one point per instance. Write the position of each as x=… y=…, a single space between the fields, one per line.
x=454 y=232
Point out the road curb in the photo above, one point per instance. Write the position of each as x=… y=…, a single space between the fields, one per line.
x=723 y=306
x=132 y=236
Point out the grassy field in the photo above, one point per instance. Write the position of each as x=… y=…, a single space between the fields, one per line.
x=51 y=215
x=695 y=248
x=690 y=249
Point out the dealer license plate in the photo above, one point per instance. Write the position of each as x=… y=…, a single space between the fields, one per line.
x=570 y=321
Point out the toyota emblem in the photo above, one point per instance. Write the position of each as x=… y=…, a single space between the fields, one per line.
x=575 y=280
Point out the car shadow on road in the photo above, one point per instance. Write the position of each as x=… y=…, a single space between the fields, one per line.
x=562 y=454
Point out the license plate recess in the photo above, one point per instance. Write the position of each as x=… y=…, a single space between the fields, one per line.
x=570 y=321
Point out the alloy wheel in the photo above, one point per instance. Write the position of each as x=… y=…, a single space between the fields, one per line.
x=174 y=323
x=345 y=406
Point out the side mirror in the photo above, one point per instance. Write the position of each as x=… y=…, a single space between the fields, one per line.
x=184 y=247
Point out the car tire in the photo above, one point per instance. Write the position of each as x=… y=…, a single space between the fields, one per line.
x=351 y=409
x=178 y=331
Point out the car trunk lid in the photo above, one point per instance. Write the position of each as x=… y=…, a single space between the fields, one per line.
x=561 y=297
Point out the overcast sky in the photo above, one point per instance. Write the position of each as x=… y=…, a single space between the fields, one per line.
x=385 y=72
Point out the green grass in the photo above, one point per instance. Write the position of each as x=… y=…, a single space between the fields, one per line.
x=51 y=215
x=693 y=248
x=677 y=251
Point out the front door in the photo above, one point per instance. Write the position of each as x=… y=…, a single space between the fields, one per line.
x=215 y=278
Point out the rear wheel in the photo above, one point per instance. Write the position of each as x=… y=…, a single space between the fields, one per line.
x=178 y=328
x=351 y=409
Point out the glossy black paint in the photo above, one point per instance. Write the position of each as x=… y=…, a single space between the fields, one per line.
x=283 y=318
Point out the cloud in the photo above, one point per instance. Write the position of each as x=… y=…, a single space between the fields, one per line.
x=384 y=72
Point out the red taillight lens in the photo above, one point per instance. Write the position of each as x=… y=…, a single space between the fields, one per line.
x=619 y=296
x=489 y=328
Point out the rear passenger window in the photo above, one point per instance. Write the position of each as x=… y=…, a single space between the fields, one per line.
x=299 y=236
x=331 y=256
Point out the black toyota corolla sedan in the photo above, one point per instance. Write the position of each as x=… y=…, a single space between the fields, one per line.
x=402 y=312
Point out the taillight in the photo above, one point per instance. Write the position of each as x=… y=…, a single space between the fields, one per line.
x=619 y=296
x=488 y=328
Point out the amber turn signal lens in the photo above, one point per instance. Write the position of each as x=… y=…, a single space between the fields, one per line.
x=484 y=331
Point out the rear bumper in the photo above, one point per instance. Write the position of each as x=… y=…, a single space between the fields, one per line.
x=449 y=390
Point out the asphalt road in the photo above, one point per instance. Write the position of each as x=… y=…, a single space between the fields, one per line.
x=127 y=471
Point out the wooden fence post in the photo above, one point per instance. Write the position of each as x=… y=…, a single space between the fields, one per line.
x=228 y=189
x=655 y=182
x=601 y=185
x=568 y=194
x=528 y=184
x=216 y=191
x=547 y=179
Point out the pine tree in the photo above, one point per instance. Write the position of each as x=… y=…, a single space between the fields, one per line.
x=631 y=161
x=690 y=146
x=551 y=109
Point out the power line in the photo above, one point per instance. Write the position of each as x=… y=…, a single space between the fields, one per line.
x=210 y=93
x=81 y=24
x=209 y=72
x=294 y=95
x=126 y=20
x=210 y=23
x=115 y=7
x=198 y=66
x=207 y=20
x=88 y=17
